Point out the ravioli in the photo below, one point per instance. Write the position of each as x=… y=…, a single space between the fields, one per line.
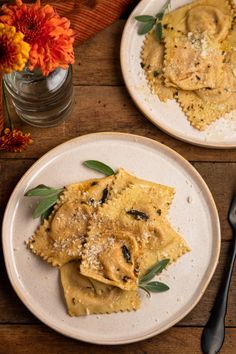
x=111 y=256
x=124 y=222
x=104 y=234
x=192 y=62
x=152 y=57
x=203 y=107
x=61 y=238
x=212 y=16
x=163 y=242
x=195 y=63
x=86 y=296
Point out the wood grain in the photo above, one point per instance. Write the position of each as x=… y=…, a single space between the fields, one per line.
x=34 y=339
x=102 y=103
x=108 y=108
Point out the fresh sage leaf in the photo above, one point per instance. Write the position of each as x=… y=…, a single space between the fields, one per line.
x=46 y=214
x=158 y=31
x=157 y=269
x=144 y=18
x=156 y=287
x=44 y=205
x=146 y=290
x=99 y=166
x=41 y=191
x=150 y=21
x=147 y=27
x=160 y=16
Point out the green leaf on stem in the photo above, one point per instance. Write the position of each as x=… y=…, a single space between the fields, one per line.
x=147 y=27
x=157 y=269
x=155 y=287
x=44 y=205
x=42 y=191
x=99 y=166
x=144 y=18
x=158 y=31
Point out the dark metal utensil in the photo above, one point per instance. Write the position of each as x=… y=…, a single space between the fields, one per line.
x=214 y=332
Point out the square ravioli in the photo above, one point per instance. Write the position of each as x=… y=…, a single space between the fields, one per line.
x=192 y=62
x=60 y=239
x=86 y=296
x=212 y=16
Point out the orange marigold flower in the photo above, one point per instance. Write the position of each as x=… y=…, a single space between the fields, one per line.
x=14 y=140
x=14 y=52
x=49 y=35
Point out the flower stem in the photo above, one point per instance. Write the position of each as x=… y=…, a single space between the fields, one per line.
x=9 y=123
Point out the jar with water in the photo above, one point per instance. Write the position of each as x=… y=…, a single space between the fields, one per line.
x=41 y=101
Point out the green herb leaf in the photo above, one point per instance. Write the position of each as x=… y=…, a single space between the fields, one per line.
x=42 y=191
x=44 y=205
x=160 y=16
x=99 y=166
x=146 y=290
x=150 y=21
x=157 y=269
x=144 y=18
x=46 y=214
x=155 y=287
x=147 y=27
x=158 y=31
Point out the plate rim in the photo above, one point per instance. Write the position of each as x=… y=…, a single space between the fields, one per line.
x=131 y=92
x=212 y=207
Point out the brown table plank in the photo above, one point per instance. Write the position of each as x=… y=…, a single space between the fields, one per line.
x=108 y=108
x=24 y=339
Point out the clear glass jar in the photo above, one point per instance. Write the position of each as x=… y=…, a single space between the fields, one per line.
x=41 y=101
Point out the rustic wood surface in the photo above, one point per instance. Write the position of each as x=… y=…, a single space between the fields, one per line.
x=103 y=104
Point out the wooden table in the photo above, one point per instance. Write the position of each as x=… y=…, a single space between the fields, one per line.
x=103 y=104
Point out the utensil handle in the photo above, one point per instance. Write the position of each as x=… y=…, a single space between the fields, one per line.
x=214 y=332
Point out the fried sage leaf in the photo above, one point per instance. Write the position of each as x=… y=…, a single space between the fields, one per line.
x=104 y=195
x=138 y=215
x=126 y=254
x=157 y=269
x=99 y=166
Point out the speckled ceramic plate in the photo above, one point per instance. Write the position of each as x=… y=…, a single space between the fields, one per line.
x=167 y=116
x=193 y=213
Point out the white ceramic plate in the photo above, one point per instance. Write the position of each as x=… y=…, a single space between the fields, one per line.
x=167 y=116
x=193 y=213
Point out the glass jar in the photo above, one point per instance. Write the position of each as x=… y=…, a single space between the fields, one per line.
x=41 y=101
